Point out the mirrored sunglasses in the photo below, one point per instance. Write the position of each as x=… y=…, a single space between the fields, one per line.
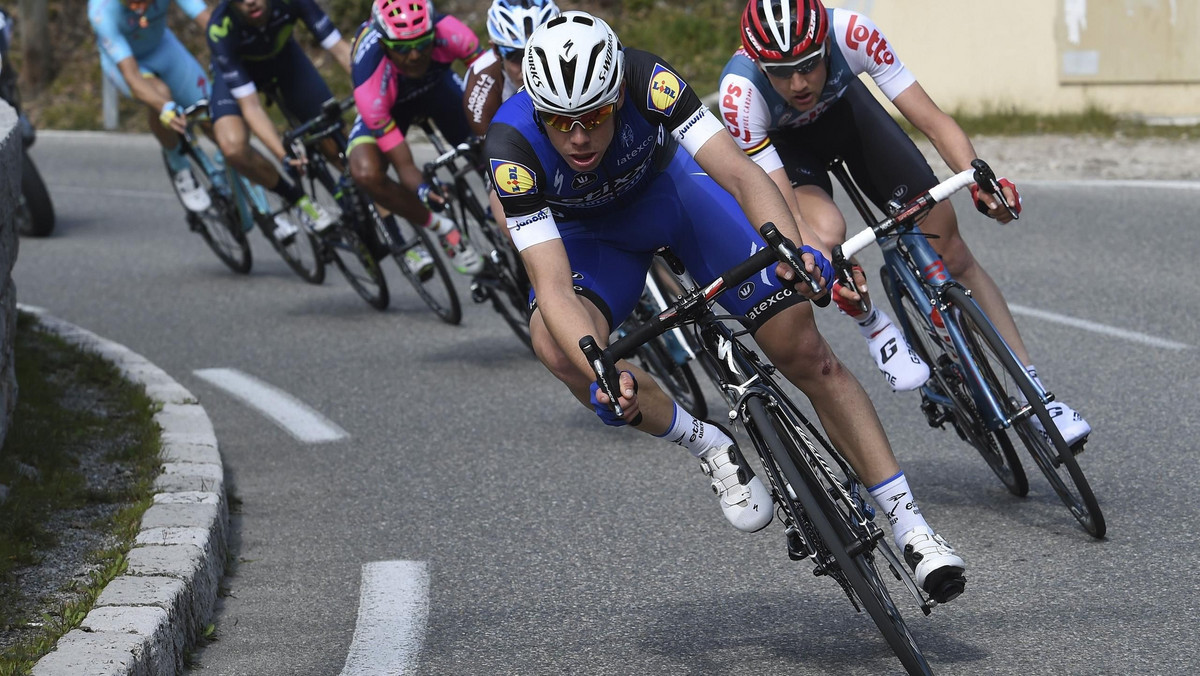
x=803 y=65
x=588 y=121
x=405 y=46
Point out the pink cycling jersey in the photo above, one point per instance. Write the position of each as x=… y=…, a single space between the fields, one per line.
x=379 y=85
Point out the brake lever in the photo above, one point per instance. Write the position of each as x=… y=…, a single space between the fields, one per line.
x=605 y=370
x=985 y=178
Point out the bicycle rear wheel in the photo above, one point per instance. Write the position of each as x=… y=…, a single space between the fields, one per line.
x=993 y=444
x=219 y=225
x=837 y=526
x=1008 y=378
x=34 y=212
x=348 y=244
x=437 y=290
x=503 y=280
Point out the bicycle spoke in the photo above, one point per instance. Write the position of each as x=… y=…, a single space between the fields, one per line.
x=1048 y=449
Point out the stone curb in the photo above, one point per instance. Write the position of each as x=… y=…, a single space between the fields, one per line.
x=144 y=620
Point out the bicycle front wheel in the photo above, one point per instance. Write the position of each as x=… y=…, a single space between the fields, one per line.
x=836 y=523
x=992 y=444
x=1009 y=380
x=677 y=379
x=436 y=289
x=219 y=224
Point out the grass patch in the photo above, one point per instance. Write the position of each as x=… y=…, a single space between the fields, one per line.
x=79 y=460
x=1094 y=121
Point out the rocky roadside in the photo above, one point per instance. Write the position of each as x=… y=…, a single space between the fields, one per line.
x=1063 y=157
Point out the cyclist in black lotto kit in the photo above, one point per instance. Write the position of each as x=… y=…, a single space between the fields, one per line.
x=793 y=100
x=252 y=47
x=607 y=155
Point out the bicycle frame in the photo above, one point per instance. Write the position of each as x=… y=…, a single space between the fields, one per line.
x=914 y=264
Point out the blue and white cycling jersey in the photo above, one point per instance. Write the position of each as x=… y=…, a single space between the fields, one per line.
x=643 y=194
x=122 y=33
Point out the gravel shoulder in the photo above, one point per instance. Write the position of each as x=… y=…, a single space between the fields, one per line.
x=1062 y=157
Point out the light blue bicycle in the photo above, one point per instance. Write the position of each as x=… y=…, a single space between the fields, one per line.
x=238 y=206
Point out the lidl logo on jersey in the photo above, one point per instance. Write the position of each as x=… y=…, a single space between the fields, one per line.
x=665 y=88
x=512 y=179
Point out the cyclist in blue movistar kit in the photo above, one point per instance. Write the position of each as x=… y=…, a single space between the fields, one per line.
x=252 y=47
x=793 y=100
x=144 y=60
x=607 y=155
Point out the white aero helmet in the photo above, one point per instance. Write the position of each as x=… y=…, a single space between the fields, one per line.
x=509 y=22
x=573 y=63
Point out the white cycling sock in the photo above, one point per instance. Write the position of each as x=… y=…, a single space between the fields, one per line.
x=873 y=322
x=694 y=434
x=895 y=498
x=439 y=225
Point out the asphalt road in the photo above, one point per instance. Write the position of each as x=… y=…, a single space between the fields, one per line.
x=555 y=545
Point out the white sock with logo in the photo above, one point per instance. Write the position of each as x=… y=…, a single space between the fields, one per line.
x=694 y=434
x=896 y=500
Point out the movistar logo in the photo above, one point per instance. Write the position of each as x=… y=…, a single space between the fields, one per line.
x=218 y=32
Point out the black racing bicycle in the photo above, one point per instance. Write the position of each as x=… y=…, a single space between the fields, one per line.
x=503 y=281
x=977 y=385
x=817 y=495
x=362 y=236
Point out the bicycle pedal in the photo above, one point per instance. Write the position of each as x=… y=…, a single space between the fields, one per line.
x=1077 y=447
x=480 y=293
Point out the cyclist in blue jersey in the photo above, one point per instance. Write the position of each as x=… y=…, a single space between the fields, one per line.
x=793 y=100
x=607 y=155
x=252 y=47
x=144 y=60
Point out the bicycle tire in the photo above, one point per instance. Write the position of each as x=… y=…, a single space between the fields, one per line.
x=503 y=280
x=347 y=242
x=1049 y=450
x=438 y=292
x=834 y=524
x=220 y=225
x=35 y=210
x=303 y=253
x=993 y=445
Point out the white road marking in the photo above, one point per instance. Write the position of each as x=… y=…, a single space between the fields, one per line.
x=296 y=418
x=393 y=609
x=1098 y=328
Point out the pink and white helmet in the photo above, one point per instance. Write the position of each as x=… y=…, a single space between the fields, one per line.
x=402 y=19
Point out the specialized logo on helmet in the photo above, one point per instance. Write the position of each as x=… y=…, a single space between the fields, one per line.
x=512 y=179
x=665 y=88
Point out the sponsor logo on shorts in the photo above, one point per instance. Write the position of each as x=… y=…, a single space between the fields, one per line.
x=746 y=290
x=767 y=304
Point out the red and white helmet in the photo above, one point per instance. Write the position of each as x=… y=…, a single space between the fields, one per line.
x=402 y=19
x=782 y=30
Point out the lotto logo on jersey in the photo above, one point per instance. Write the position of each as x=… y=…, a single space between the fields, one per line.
x=876 y=45
x=665 y=88
x=512 y=179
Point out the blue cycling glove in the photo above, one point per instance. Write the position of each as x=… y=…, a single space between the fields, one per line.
x=423 y=192
x=824 y=267
x=605 y=411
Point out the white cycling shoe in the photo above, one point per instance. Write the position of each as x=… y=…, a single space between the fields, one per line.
x=900 y=365
x=315 y=216
x=462 y=255
x=1070 y=424
x=745 y=501
x=419 y=262
x=285 y=230
x=192 y=194
x=938 y=569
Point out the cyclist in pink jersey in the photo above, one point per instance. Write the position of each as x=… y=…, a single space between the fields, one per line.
x=401 y=70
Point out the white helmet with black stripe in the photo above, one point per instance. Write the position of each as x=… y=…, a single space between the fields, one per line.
x=510 y=22
x=573 y=63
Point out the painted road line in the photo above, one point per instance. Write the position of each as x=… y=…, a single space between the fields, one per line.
x=113 y=192
x=393 y=609
x=296 y=418
x=1098 y=328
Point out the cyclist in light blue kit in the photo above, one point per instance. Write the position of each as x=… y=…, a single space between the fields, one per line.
x=607 y=155
x=144 y=60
